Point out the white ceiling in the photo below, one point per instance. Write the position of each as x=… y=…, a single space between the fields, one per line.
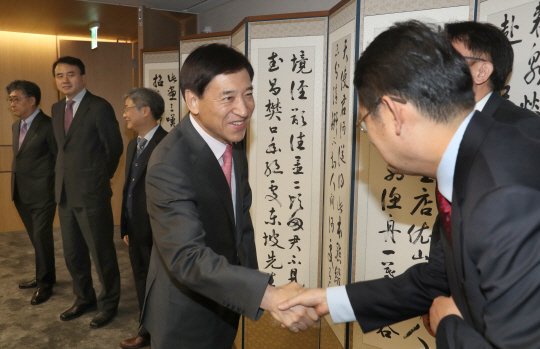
x=191 y=6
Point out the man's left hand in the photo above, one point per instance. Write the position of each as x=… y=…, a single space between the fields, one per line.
x=441 y=307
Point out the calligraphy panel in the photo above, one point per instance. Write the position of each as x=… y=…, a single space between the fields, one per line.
x=519 y=20
x=395 y=212
x=163 y=77
x=338 y=163
x=285 y=155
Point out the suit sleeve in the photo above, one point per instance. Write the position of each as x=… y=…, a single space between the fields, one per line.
x=109 y=134
x=382 y=302
x=179 y=239
x=503 y=240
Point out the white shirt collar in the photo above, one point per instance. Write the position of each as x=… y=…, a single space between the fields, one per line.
x=31 y=118
x=482 y=103
x=149 y=135
x=447 y=166
x=216 y=146
x=78 y=98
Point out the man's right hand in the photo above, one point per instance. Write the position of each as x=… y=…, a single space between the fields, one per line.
x=311 y=297
x=126 y=239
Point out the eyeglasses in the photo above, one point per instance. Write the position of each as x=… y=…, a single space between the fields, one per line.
x=128 y=108
x=362 y=121
x=475 y=58
x=15 y=100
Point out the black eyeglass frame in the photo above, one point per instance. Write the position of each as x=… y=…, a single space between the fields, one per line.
x=361 y=123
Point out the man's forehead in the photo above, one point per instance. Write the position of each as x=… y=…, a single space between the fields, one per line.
x=68 y=68
x=16 y=93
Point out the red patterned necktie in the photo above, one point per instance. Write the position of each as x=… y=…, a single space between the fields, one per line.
x=68 y=118
x=22 y=133
x=445 y=210
x=227 y=164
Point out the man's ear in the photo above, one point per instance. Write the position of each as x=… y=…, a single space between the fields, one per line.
x=397 y=112
x=482 y=73
x=192 y=102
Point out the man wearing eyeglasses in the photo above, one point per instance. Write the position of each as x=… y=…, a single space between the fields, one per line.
x=32 y=181
x=490 y=57
x=143 y=109
x=481 y=282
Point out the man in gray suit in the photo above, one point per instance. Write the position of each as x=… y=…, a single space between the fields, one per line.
x=32 y=181
x=203 y=269
x=89 y=149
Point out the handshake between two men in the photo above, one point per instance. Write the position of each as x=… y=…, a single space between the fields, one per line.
x=294 y=306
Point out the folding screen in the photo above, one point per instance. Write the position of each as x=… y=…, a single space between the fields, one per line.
x=394 y=213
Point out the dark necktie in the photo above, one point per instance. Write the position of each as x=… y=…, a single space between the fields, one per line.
x=22 y=134
x=227 y=164
x=445 y=210
x=68 y=117
x=140 y=146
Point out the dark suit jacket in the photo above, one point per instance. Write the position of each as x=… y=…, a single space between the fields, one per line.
x=505 y=111
x=203 y=270
x=492 y=268
x=32 y=169
x=89 y=154
x=142 y=232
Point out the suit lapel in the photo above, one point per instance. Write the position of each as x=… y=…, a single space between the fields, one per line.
x=493 y=103
x=16 y=133
x=129 y=156
x=30 y=132
x=207 y=165
x=79 y=116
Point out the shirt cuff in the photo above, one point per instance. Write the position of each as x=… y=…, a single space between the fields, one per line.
x=339 y=305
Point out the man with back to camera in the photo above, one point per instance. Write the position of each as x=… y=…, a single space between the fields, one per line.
x=490 y=57
x=89 y=149
x=32 y=181
x=143 y=109
x=479 y=284
x=203 y=269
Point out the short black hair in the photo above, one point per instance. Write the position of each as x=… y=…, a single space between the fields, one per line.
x=28 y=88
x=209 y=61
x=486 y=41
x=146 y=97
x=412 y=61
x=71 y=61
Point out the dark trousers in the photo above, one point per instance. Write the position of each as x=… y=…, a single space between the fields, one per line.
x=139 y=255
x=38 y=221
x=89 y=231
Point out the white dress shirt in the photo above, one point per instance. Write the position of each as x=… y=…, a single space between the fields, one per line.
x=78 y=98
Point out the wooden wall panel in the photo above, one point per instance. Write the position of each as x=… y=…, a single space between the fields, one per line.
x=25 y=57
x=108 y=75
x=6 y=157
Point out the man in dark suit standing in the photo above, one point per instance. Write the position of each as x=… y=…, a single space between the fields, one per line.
x=480 y=284
x=143 y=109
x=32 y=181
x=490 y=57
x=89 y=149
x=203 y=269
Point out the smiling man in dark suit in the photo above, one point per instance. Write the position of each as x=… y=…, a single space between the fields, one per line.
x=89 y=149
x=143 y=109
x=32 y=181
x=481 y=282
x=203 y=269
